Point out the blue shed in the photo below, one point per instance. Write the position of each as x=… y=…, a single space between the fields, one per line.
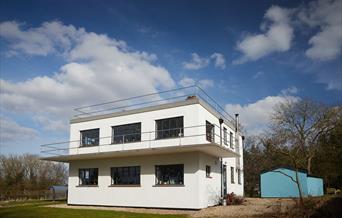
x=315 y=186
x=278 y=183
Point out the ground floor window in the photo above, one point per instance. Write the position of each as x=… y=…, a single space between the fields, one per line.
x=232 y=174
x=88 y=176
x=207 y=171
x=239 y=176
x=169 y=174
x=125 y=175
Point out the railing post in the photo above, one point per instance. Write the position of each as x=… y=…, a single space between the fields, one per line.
x=149 y=140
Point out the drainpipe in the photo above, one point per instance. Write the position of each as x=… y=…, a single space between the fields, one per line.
x=221 y=162
x=236 y=123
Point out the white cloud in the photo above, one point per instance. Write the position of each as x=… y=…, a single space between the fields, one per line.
x=220 y=61
x=256 y=116
x=277 y=36
x=98 y=68
x=49 y=38
x=289 y=91
x=196 y=62
x=204 y=83
x=11 y=131
x=325 y=14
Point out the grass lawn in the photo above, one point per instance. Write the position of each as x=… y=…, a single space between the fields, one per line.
x=34 y=209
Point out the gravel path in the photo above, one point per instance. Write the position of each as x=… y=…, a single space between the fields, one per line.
x=250 y=208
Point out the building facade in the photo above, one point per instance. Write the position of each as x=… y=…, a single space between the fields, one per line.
x=181 y=154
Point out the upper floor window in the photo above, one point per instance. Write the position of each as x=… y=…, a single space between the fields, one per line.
x=170 y=174
x=90 y=137
x=125 y=175
x=126 y=133
x=225 y=136
x=231 y=139
x=169 y=128
x=210 y=131
x=88 y=176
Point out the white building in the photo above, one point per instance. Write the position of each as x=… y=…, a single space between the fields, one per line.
x=180 y=154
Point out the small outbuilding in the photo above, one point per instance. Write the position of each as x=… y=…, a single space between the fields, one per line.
x=280 y=183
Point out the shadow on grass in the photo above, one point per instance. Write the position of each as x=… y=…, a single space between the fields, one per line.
x=33 y=209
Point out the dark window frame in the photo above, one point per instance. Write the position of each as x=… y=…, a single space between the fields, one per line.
x=232 y=175
x=208 y=171
x=210 y=131
x=83 y=139
x=165 y=131
x=160 y=179
x=231 y=139
x=136 y=135
x=132 y=172
x=225 y=136
x=88 y=182
x=239 y=176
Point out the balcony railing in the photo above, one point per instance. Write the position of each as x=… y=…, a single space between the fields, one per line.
x=192 y=135
x=153 y=99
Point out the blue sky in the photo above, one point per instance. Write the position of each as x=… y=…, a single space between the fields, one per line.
x=249 y=55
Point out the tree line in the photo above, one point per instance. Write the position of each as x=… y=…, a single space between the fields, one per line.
x=303 y=134
x=28 y=173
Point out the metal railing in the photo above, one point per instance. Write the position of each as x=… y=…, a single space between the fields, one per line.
x=151 y=139
x=153 y=99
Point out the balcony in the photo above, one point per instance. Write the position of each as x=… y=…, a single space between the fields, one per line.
x=202 y=138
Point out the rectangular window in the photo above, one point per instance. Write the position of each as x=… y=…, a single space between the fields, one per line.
x=225 y=136
x=88 y=176
x=170 y=174
x=169 y=128
x=125 y=175
x=210 y=131
x=239 y=176
x=90 y=137
x=126 y=133
x=207 y=171
x=231 y=139
x=232 y=175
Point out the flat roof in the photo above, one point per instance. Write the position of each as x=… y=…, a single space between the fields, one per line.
x=190 y=101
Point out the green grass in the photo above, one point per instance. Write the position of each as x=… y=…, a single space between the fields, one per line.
x=34 y=209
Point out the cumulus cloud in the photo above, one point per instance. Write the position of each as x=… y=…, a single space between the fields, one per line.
x=11 y=131
x=326 y=15
x=219 y=59
x=277 y=36
x=204 y=83
x=256 y=116
x=196 y=62
x=49 y=38
x=97 y=68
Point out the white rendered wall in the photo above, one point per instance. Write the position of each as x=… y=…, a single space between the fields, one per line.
x=147 y=119
x=198 y=192
x=230 y=162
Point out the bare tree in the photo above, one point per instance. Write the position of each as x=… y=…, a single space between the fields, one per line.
x=300 y=124
x=295 y=131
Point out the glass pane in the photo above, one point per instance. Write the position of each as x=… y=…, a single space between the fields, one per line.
x=169 y=128
x=170 y=174
x=127 y=133
x=90 y=137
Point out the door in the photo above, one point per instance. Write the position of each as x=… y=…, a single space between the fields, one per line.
x=224 y=175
